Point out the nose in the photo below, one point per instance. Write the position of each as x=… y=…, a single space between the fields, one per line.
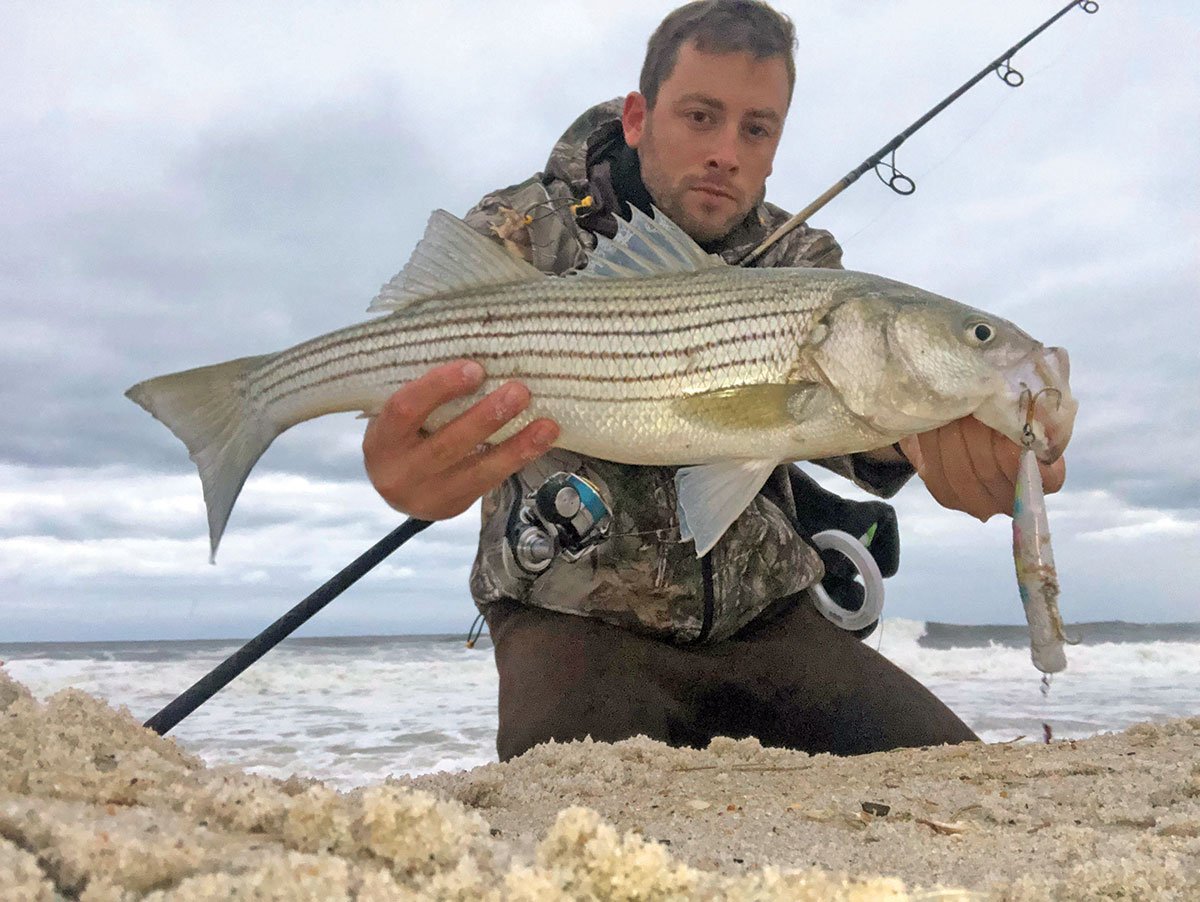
x=723 y=153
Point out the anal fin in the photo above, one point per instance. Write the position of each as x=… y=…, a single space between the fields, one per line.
x=711 y=496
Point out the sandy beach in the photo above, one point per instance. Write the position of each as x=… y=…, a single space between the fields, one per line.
x=93 y=806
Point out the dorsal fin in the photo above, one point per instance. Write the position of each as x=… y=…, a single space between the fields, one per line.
x=646 y=247
x=452 y=257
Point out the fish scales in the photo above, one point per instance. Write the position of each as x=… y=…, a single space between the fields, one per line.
x=643 y=345
x=656 y=353
x=524 y=323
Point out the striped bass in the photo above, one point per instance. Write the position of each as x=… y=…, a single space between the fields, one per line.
x=654 y=353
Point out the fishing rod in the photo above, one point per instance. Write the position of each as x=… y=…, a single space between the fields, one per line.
x=232 y=667
x=229 y=669
x=886 y=169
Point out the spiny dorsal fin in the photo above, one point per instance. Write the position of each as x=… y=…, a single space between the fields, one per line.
x=452 y=257
x=646 y=247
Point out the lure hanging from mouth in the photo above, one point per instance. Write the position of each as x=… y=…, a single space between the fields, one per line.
x=1036 y=575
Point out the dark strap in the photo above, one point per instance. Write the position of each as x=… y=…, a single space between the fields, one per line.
x=706 y=623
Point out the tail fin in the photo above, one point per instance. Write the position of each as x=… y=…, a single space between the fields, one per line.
x=209 y=411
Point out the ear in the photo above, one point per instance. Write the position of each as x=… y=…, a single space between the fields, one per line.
x=633 y=118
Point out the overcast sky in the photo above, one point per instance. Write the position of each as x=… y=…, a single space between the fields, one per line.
x=185 y=183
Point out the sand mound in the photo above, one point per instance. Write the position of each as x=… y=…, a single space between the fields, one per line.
x=92 y=806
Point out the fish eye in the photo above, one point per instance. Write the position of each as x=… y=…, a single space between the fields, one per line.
x=980 y=333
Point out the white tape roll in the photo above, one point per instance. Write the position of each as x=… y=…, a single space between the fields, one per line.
x=868 y=571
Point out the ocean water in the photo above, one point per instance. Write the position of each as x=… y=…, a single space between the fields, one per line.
x=354 y=710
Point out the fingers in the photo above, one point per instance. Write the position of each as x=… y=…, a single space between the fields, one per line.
x=967 y=466
x=911 y=446
x=437 y=476
x=934 y=474
x=994 y=466
x=483 y=471
x=981 y=449
x=398 y=423
x=1008 y=456
x=1053 y=475
x=460 y=437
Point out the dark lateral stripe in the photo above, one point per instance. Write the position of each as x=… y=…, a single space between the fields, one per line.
x=526 y=349
x=650 y=354
x=366 y=333
x=523 y=314
x=535 y=377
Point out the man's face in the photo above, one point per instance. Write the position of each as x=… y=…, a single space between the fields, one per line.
x=707 y=146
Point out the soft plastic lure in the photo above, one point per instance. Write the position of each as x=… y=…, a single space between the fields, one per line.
x=1036 y=576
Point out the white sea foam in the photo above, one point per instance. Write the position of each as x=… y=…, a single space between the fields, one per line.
x=355 y=710
x=347 y=714
x=1107 y=685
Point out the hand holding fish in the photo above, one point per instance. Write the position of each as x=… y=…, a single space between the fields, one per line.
x=970 y=467
x=439 y=475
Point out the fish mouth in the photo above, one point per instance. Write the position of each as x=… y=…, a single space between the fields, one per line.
x=1041 y=379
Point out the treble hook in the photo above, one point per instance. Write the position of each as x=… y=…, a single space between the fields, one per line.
x=897 y=181
x=1028 y=401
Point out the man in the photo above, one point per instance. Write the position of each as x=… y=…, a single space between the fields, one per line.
x=634 y=635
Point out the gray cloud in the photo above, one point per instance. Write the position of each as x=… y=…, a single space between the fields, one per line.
x=259 y=237
x=195 y=188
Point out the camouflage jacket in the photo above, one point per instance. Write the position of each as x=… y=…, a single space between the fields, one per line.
x=642 y=576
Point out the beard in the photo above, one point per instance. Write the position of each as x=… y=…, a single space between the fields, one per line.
x=669 y=196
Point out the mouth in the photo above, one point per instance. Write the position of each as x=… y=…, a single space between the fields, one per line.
x=1055 y=409
x=715 y=191
x=1041 y=379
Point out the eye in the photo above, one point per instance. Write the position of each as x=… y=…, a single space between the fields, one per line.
x=980 y=333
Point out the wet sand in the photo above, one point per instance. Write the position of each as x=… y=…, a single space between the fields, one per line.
x=92 y=806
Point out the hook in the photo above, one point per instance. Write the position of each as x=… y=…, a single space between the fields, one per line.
x=1028 y=401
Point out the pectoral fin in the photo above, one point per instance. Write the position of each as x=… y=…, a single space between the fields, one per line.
x=711 y=496
x=743 y=407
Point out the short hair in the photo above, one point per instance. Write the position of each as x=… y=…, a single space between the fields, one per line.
x=718 y=26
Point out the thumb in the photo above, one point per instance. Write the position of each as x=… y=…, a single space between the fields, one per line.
x=910 y=445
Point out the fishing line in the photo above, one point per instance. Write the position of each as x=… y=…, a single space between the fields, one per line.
x=884 y=159
x=244 y=657
x=896 y=199
x=971 y=133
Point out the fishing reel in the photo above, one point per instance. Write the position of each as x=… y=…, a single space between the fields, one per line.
x=564 y=516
